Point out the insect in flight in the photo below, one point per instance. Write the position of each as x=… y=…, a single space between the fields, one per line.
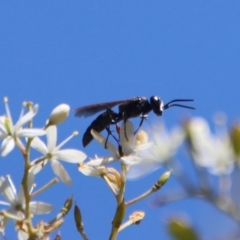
x=129 y=108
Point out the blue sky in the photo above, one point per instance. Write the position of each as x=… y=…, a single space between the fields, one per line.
x=83 y=52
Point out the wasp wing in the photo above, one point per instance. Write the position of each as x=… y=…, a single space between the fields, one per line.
x=90 y=110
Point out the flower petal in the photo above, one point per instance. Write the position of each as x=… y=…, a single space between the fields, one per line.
x=40 y=207
x=59 y=171
x=103 y=161
x=90 y=170
x=3 y=223
x=4 y=203
x=3 y=135
x=39 y=145
x=126 y=137
x=103 y=141
x=142 y=169
x=37 y=167
x=2 y=126
x=7 y=191
x=51 y=137
x=33 y=132
x=142 y=147
x=70 y=155
x=22 y=235
x=7 y=146
x=27 y=117
x=131 y=159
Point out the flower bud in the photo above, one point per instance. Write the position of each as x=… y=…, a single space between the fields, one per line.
x=67 y=206
x=78 y=217
x=58 y=115
x=164 y=178
x=58 y=237
x=136 y=217
x=180 y=229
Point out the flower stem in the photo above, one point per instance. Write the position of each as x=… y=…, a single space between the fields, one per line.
x=121 y=207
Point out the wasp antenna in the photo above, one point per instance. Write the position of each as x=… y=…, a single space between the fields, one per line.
x=180 y=100
x=177 y=105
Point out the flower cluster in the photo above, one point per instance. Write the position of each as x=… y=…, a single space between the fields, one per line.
x=131 y=156
x=20 y=206
x=140 y=155
x=211 y=151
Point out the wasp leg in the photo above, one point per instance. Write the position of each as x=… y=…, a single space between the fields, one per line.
x=120 y=150
x=119 y=145
x=141 y=123
x=124 y=121
x=110 y=133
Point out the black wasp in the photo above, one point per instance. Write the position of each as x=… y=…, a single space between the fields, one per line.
x=130 y=108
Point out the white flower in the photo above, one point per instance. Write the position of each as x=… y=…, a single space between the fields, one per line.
x=112 y=176
x=106 y=144
x=94 y=167
x=52 y=153
x=132 y=146
x=141 y=156
x=89 y=170
x=127 y=151
x=10 y=133
x=164 y=146
x=211 y=151
x=16 y=202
